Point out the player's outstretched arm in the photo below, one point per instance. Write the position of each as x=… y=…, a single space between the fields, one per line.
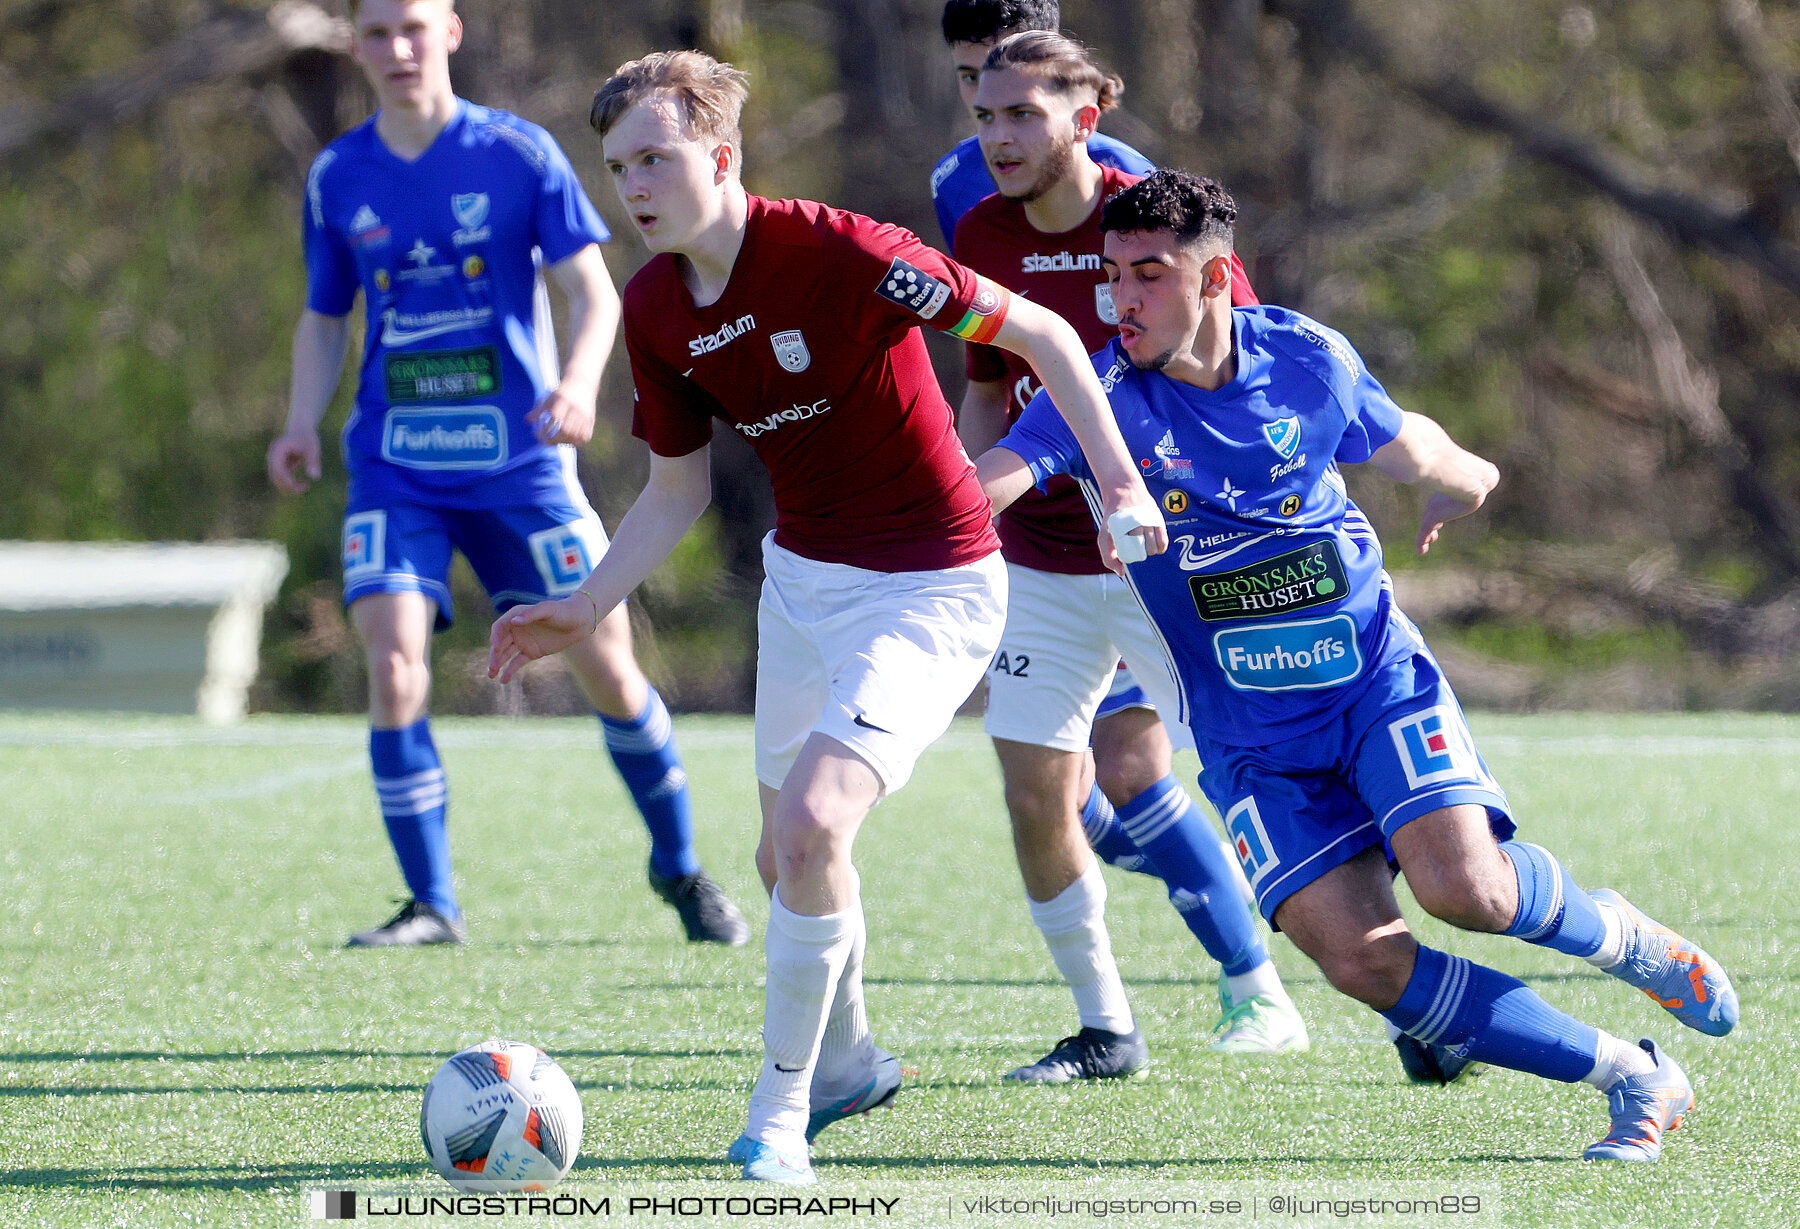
x=566 y=414
x=319 y=345
x=672 y=500
x=1424 y=455
x=1053 y=348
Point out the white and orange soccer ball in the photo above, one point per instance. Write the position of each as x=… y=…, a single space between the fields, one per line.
x=501 y=1116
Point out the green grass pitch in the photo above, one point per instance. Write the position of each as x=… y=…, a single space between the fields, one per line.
x=183 y=1038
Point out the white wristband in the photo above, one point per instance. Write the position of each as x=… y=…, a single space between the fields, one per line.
x=1129 y=546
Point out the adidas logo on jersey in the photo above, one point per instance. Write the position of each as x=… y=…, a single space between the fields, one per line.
x=365 y=219
x=1061 y=262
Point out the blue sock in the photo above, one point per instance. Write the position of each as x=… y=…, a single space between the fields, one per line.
x=1166 y=825
x=1106 y=836
x=1492 y=1018
x=1553 y=910
x=643 y=750
x=409 y=785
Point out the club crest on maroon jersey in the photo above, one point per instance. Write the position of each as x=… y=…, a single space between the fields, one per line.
x=790 y=350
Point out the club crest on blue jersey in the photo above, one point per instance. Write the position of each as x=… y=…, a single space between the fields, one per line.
x=1434 y=746
x=790 y=350
x=1283 y=435
x=562 y=556
x=470 y=208
x=1250 y=840
x=365 y=543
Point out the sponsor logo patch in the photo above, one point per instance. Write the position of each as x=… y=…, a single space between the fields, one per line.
x=795 y=413
x=728 y=332
x=564 y=556
x=1303 y=656
x=403 y=328
x=790 y=350
x=1310 y=576
x=367 y=230
x=1175 y=502
x=1060 y=262
x=1290 y=505
x=365 y=543
x=913 y=288
x=1434 y=747
x=1250 y=840
x=437 y=375
x=473 y=267
x=471 y=437
x=383 y=282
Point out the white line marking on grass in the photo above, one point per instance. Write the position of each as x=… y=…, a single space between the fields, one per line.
x=265 y=786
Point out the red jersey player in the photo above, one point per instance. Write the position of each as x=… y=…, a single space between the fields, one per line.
x=1053 y=684
x=797 y=324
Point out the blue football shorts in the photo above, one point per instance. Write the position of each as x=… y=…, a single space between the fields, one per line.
x=521 y=554
x=1296 y=809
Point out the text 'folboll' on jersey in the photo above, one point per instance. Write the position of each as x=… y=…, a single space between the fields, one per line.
x=447 y=251
x=1271 y=601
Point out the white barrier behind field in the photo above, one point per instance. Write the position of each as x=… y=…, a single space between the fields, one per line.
x=162 y=627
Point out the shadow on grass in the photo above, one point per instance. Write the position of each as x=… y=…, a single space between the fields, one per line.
x=235 y=1056
x=210 y=1177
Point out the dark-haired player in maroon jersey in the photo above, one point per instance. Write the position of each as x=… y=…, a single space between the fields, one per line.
x=797 y=324
x=1053 y=682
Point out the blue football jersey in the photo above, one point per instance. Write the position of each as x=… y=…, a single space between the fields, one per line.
x=447 y=251
x=1271 y=600
x=961 y=178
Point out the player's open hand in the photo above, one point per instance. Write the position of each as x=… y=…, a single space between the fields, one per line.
x=526 y=633
x=562 y=419
x=1440 y=510
x=290 y=456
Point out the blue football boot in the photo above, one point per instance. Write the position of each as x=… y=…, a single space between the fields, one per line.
x=1644 y=1108
x=1685 y=981
x=769 y=1163
x=882 y=1086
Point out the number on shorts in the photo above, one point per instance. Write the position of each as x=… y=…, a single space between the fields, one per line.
x=1014 y=665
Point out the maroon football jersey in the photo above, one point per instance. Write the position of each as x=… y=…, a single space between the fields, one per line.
x=813 y=354
x=1050 y=530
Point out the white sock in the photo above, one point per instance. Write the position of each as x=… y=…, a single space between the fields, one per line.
x=1612 y=948
x=806 y=957
x=847 y=1051
x=1616 y=1060
x=1263 y=980
x=1073 y=924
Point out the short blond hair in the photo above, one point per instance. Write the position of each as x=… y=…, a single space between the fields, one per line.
x=708 y=93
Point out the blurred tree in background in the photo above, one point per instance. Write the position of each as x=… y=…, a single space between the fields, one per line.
x=1567 y=231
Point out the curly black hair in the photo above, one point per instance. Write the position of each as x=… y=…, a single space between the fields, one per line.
x=983 y=21
x=1195 y=207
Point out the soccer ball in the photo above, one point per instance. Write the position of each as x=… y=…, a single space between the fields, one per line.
x=501 y=1116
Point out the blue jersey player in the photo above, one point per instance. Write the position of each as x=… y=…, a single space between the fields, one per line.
x=442 y=214
x=972 y=28
x=1331 y=742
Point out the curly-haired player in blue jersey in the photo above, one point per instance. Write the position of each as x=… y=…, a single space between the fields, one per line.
x=1332 y=743
x=442 y=214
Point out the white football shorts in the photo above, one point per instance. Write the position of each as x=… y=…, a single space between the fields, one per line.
x=1059 y=656
x=879 y=661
